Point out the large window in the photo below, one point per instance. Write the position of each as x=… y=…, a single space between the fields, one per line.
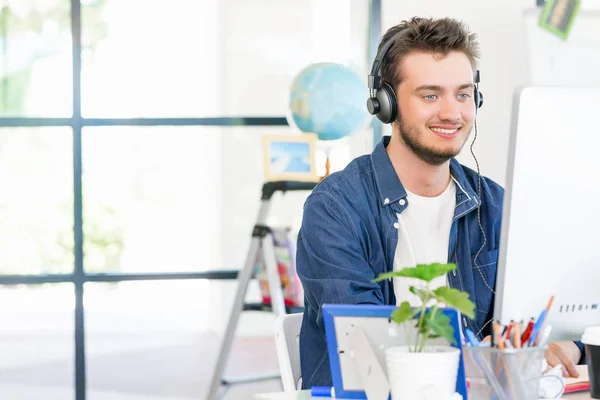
x=131 y=150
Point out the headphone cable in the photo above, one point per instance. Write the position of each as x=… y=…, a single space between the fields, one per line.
x=480 y=225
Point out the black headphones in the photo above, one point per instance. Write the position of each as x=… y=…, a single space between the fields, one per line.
x=382 y=101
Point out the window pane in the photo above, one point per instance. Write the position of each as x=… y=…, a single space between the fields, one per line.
x=36 y=206
x=36 y=342
x=35 y=58
x=153 y=339
x=151 y=199
x=181 y=198
x=212 y=57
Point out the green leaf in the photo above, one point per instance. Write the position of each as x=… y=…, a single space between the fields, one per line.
x=402 y=313
x=387 y=275
x=456 y=299
x=440 y=325
x=426 y=272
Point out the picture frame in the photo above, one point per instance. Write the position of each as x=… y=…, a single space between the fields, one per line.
x=290 y=157
x=375 y=321
x=558 y=15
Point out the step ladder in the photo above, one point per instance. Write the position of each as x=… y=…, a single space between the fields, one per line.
x=262 y=239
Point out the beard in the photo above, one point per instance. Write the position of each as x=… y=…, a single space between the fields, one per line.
x=411 y=136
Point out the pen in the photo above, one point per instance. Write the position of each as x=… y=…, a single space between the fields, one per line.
x=544 y=336
x=527 y=332
x=508 y=329
x=537 y=327
x=471 y=338
x=322 y=391
x=543 y=327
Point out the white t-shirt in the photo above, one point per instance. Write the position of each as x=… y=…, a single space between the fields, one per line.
x=423 y=238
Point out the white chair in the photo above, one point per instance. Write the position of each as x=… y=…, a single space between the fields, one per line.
x=287 y=342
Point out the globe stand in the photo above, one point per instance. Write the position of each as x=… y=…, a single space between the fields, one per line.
x=327 y=168
x=326 y=147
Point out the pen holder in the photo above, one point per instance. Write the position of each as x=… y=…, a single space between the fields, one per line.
x=504 y=374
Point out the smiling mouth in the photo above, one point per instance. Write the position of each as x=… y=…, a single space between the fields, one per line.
x=449 y=133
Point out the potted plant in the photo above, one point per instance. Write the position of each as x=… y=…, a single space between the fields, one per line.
x=423 y=369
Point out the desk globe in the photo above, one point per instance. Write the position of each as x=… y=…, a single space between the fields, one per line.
x=328 y=99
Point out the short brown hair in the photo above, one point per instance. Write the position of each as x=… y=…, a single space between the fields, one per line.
x=437 y=36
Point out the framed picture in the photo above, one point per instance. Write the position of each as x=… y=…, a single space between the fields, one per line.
x=290 y=157
x=558 y=16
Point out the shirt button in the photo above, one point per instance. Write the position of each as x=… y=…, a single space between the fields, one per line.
x=396 y=225
x=386 y=201
x=402 y=202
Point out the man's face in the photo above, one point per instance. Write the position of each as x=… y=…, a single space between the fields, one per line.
x=436 y=106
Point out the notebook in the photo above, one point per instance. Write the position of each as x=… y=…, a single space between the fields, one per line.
x=578 y=384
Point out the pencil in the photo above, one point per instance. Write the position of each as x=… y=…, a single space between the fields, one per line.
x=549 y=304
x=497 y=332
x=517 y=336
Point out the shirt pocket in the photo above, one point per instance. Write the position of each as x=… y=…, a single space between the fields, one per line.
x=484 y=277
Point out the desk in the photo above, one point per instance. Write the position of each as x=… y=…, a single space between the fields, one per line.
x=305 y=395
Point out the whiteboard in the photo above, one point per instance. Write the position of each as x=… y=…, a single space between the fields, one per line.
x=555 y=62
x=550 y=240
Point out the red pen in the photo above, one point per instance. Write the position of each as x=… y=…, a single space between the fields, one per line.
x=527 y=331
x=508 y=329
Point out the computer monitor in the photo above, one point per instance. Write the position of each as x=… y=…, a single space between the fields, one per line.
x=550 y=240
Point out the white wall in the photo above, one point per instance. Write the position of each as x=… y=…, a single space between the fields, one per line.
x=572 y=62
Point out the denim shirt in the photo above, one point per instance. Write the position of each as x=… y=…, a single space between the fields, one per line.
x=348 y=237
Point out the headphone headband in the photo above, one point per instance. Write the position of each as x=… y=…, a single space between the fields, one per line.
x=374 y=77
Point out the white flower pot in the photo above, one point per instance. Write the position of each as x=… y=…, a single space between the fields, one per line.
x=430 y=375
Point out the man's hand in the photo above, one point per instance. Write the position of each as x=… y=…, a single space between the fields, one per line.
x=565 y=353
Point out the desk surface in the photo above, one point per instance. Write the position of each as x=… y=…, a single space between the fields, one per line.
x=305 y=395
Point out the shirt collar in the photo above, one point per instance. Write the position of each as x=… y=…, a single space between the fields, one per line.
x=391 y=189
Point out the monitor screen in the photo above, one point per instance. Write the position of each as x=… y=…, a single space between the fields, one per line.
x=550 y=236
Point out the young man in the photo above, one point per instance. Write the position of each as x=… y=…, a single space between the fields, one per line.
x=409 y=202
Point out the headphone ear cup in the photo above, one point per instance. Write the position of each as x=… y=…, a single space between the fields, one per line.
x=478 y=97
x=388 y=104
